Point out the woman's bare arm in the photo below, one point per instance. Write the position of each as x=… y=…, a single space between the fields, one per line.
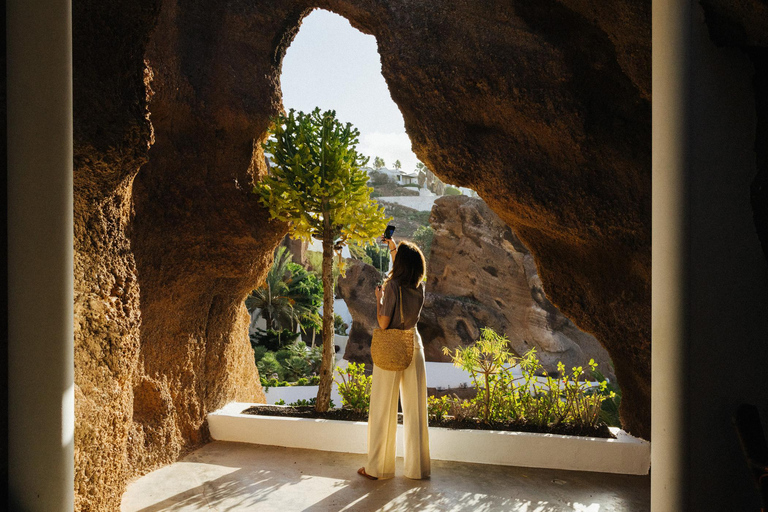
x=383 y=320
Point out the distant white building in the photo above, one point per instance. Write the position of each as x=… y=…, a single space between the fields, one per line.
x=396 y=175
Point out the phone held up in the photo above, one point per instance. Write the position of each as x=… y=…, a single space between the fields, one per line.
x=388 y=232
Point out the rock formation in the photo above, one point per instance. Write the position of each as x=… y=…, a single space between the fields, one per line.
x=543 y=107
x=480 y=275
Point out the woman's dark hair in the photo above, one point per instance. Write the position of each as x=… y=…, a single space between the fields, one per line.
x=409 y=267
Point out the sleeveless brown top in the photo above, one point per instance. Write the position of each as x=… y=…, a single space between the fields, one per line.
x=413 y=301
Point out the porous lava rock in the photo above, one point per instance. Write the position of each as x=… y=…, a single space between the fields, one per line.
x=542 y=106
x=479 y=275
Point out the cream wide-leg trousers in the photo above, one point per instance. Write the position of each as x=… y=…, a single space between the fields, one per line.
x=411 y=385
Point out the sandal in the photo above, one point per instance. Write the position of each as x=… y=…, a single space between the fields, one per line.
x=362 y=472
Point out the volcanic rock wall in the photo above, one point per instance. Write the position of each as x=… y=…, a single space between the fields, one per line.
x=542 y=106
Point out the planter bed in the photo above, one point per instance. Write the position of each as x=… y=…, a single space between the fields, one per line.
x=624 y=454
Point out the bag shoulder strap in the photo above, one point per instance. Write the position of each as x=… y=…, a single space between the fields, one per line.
x=402 y=318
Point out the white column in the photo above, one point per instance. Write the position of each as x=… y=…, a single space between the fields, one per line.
x=670 y=83
x=40 y=282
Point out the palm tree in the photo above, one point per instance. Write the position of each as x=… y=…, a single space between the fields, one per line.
x=273 y=298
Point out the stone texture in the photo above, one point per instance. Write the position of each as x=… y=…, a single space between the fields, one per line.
x=542 y=106
x=479 y=275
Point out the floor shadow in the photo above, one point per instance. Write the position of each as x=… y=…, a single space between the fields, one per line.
x=230 y=476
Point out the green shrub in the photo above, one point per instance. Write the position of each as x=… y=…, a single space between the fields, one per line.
x=270 y=368
x=314 y=380
x=452 y=191
x=273 y=340
x=501 y=397
x=302 y=381
x=437 y=408
x=258 y=353
x=423 y=238
x=355 y=388
x=339 y=327
x=282 y=356
x=280 y=402
x=308 y=403
x=296 y=367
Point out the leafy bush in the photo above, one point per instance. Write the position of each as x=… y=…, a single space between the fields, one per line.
x=308 y=403
x=273 y=340
x=423 y=238
x=302 y=381
x=609 y=411
x=501 y=397
x=355 y=388
x=339 y=327
x=437 y=408
x=282 y=356
x=412 y=185
x=280 y=402
x=452 y=191
x=270 y=368
x=258 y=353
x=314 y=380
x=296 y=367
x=379 y=256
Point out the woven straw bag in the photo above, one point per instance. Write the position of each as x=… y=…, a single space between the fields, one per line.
x=392 y=349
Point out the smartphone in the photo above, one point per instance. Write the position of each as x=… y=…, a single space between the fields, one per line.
x=389 y=231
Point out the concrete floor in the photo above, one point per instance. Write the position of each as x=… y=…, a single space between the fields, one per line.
x=232 y=476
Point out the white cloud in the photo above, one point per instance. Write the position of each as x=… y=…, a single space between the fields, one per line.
x=390 y=147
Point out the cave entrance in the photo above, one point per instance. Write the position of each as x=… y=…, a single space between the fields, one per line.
x=476 y=263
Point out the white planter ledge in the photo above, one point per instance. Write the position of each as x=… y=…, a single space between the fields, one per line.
x=625 y=454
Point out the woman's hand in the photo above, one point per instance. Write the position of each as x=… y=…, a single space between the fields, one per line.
x=390 y=243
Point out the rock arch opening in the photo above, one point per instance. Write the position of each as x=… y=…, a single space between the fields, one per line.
x=543 y=109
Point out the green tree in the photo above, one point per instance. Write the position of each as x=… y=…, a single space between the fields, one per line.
x=378 y=163
x=398 y=165
x=272 y=298
x=318 y=187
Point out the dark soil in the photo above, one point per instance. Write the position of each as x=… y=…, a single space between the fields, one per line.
x=512 y=426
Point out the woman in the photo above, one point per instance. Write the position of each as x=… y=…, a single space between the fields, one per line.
x=406 y=280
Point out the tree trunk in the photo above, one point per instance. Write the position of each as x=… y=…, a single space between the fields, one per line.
x=323 y=400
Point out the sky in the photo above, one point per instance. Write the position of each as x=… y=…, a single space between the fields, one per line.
x=334 y=66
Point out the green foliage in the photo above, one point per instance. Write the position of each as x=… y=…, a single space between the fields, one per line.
x=270 y=368
x=437 y=408
x=258 y=352
x=296 y=367
x=280 y=402
x=609 y=411
x=412 y=185
x=452 y=191
x=398 y=165
x=301 y=402
x=372 y=254
x=502 y=397
x=379 y=256
x=423 y=238
x=339 y=327
x=289 y=295
x=378 y=162
x=271 y=298
x=315 y=260
x=318 y=187
x=355 y=388
x=379 y=178
x=302 y=382
x=271 y=339
x=282 y=356
x=317 y=180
